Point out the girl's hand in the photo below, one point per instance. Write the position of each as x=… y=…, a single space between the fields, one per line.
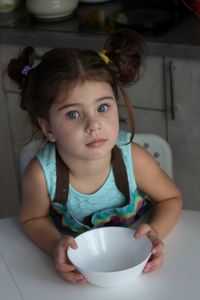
x=156 y=259
x=63 y=266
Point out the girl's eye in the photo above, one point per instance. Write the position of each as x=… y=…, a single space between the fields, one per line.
x=73 y=115
x=103 y=108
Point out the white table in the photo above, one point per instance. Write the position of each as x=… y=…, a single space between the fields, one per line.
x=27 y=273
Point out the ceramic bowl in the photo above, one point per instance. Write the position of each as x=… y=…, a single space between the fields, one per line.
x=51 y=9
x=110 y=256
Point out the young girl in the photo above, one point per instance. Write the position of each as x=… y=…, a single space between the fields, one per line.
x=89 y=173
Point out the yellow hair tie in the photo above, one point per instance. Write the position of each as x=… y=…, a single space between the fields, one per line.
x=103 y=55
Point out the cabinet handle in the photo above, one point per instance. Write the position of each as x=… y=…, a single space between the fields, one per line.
x=171 y=82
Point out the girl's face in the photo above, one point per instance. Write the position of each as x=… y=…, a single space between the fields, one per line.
x=85 y=123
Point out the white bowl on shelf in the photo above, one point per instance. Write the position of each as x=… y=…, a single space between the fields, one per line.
x=51 y=9
x=110 y=256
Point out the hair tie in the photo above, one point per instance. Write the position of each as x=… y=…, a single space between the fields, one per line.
x=103 y=55
x=25 y=70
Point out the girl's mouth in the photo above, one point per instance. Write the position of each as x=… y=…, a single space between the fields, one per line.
x=96 y=143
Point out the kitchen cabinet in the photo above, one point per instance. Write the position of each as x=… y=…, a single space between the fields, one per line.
x=183 y=123
x=148 y=99
x=15 y=132
x=166 y=102
x=9 y=200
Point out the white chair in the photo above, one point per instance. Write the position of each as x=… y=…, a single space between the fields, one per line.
x=159 y=148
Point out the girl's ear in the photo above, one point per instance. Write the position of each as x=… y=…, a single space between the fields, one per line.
x=46 y=129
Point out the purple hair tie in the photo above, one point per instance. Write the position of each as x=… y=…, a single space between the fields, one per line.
x=25 y=70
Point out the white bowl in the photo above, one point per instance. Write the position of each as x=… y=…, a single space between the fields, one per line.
x=110 y=256
x=51 y=9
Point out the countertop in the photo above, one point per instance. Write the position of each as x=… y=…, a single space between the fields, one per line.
x=181 y=40
x=27 y=273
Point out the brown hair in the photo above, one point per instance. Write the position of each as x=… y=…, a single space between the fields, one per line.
x=64 y=67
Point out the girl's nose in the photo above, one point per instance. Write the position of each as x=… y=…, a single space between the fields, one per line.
x=93 y=124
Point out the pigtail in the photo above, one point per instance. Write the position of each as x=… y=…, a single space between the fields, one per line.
x=126 y=51
x=17 y=65
x=18 y=70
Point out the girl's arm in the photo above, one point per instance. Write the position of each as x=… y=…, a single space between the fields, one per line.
x=34 y=213
x=152 y=180
x=39 y=226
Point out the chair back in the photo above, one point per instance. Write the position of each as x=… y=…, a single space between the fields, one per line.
x=159 y=148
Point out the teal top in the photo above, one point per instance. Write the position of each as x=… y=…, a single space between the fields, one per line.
x=106 y=205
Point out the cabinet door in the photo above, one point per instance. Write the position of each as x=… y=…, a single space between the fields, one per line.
x=9 y=197
x=14 y=132
x=146 y=121
x=148 y=99
x=148 y=92
x=184 y=126
x=20 y=127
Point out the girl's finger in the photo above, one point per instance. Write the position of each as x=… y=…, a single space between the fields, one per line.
x=65 y=267
x=158 y=246
x=145 y=229
x=72 y=243
x=154 y=263
x=73 y=277
x=68 y=242
x=60 y=254
x=142 y=230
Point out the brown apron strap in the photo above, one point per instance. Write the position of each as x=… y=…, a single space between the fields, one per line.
x=120 y=174
x=62 y=180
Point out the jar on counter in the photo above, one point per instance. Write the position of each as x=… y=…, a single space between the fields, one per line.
x=8 y=5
